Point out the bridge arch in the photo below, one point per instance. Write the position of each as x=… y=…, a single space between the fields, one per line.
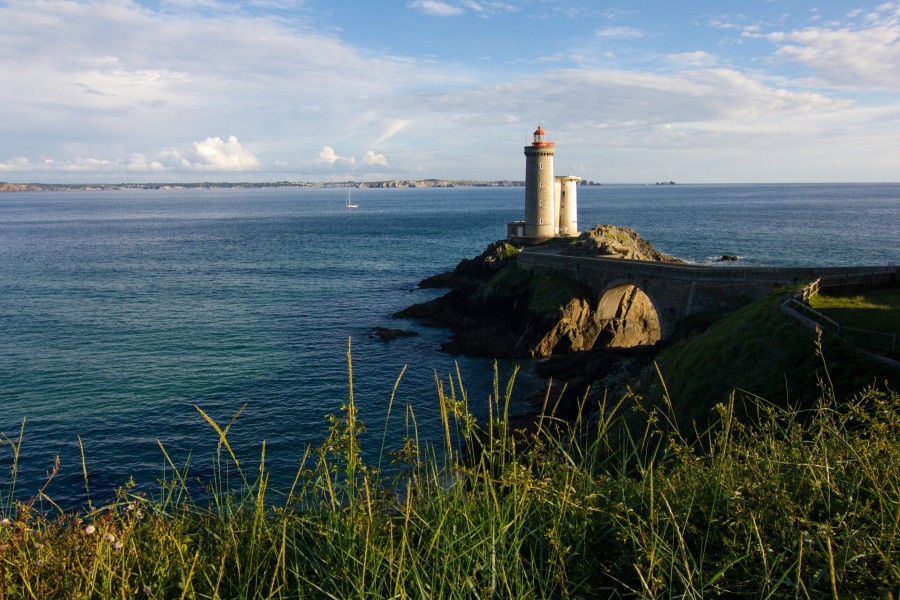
x=627 y=316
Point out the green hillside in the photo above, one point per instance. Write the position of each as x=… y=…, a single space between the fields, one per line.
x=759 y=351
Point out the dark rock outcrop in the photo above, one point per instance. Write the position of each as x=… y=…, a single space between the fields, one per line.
x=388 y=333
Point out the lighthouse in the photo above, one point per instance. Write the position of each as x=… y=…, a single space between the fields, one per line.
x=541 y=220
x=551 y=203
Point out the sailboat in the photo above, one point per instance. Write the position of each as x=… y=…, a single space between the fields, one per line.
x=350 y=202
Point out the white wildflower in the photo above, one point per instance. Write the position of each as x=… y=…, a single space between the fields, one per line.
x=89 y=530
x=109 y=538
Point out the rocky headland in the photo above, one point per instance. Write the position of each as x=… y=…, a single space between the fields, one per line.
x=496 y=310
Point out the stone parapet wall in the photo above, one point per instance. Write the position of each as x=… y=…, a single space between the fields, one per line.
x=539 y=259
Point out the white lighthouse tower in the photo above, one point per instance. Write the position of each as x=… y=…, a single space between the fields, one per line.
x=551 y=203
x=541 y=216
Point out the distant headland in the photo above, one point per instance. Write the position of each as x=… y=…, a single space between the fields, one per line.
x=393 y=183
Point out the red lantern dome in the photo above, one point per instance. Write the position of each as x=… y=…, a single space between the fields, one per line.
x=539 y=138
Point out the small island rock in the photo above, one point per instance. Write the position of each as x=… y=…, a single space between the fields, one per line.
x=387 y=333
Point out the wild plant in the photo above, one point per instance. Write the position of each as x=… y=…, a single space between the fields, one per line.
x=786 y=502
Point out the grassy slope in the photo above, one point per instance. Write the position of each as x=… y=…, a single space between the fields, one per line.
x=759 y=351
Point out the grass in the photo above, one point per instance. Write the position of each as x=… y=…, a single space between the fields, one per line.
x=762 y=353
x=784 y=502
x=877 y=310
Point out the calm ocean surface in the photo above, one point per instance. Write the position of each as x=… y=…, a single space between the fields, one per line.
x=122 y=311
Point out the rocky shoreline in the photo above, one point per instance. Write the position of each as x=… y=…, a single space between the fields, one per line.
x=496 y=310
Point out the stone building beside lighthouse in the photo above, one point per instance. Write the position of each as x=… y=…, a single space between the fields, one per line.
x=551 y=202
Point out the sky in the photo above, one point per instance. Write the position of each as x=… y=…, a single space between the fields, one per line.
x=707 y=91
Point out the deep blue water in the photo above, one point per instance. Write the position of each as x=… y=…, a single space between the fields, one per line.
x=122 y=311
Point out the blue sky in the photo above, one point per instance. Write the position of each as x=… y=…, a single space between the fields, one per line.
x=316 y=90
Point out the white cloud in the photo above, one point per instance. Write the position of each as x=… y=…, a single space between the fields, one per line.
x=216 y=155
x=90 y=165
x=622 y=121
x=620 y=33
x=114 y=88
x=19 y=163
x=392 y=129
x=622 y=96
x=843 y=56
x=327 y=156
x=439 y=8
x=698 y=58
x=867 y=58
x=139 y=163
x=374 y=159
x=152 y=77
x=436 y=8
x=212 y=154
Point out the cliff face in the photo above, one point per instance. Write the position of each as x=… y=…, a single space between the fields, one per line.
x=17 y=187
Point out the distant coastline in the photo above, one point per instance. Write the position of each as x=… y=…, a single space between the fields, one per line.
x=393 y=183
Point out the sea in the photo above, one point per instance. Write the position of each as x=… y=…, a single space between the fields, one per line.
x=124 y=314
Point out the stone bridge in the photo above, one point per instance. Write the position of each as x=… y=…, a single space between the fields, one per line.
x=680 y=290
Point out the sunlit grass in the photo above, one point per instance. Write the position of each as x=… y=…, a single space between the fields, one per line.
x=878 y=310
x=783 y=503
